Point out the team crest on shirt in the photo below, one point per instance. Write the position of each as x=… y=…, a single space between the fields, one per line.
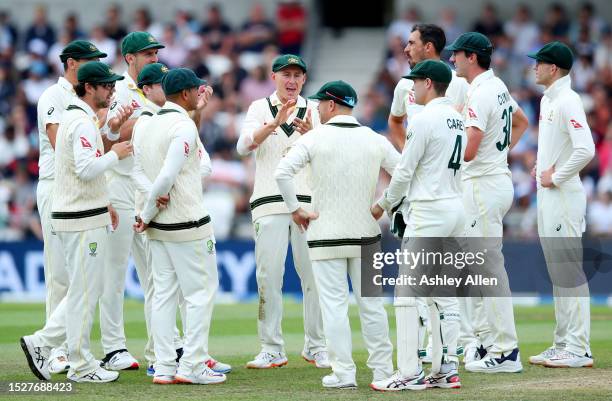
x=93 y=247
x=186 y=148
x=471 y=113
x=575 y=124
x=211 y=247
x=135 y=104
x=85 y=143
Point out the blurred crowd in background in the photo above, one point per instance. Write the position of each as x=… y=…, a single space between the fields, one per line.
x=236 y=61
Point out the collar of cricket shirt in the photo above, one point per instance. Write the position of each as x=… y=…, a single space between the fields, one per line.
x=557 y=86
x=129 y=81
x=439 y=100
x=173 y=106
x=343 y=119
x=86 y=108
x=274 y=99
x=488 y=74
x=65 y=84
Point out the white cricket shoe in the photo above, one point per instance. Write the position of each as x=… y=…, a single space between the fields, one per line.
x=543 y=356
x=333 y=381
x=100 y=375
x=120 y=360
x=397 y=382
x=497 y=363
x=204 y=376
x=37 y=358
x=267 y=360
x=58 y=364
x=449 y=379
x=473 y=353
x=319 y=359
x=164 y=379
x=566 y=359
x=218 y=367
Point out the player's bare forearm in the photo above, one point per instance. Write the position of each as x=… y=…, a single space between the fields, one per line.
x=519 y=126
x=125 y=132
x=397 y=132
x=474 y=138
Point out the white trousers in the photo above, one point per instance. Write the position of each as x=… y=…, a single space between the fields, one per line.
x=73 y=317
x=190 y=267
x=332 y=284
x=486 y=200
x=56 y=275
x=561 y=222
x=272 y=236
x=435 y=219
x=144 y=270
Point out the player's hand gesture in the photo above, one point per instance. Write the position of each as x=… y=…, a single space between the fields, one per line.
x=114 y=217
x=546 y=178
x=162 y=201
x=204 y=94
x=122 y=116
x=303 y=126
x=123 y=149
x=140 y=226
x=376 y=211
x=284 y=112
x=302 y=218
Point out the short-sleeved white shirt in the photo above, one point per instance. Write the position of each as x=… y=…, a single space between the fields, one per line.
x=489 y=107
x=51 y=105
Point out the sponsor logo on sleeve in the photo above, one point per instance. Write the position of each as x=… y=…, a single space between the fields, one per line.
x=85 y=143
x=135 y=104
x=576 y=124
x=471 y=113
x=186 y=148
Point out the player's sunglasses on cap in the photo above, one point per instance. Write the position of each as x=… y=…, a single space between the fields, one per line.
x=338 y=91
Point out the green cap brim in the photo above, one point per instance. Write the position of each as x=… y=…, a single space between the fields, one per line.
x=77 y=56
x=290 y=65
x=151 y=46
x=112 y=78
x=533 y=56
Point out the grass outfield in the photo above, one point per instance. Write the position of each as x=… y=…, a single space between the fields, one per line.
x=234 y=340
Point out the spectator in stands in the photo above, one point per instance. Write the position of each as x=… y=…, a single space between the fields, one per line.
x=113 y=27
x=185 y=25
x=257 y=32
x=144 y=22
x=291 y=25
x=217 y=34
x=175 y=53
x=522 y=30
x=603 y=52
x=8 y=33
x=7 y=91
x=256 y=86
x=488 y=23
x=71 y=26
x=99 y=38
x=557 y=22
x=589 y=20
x=402 y=27
x=40 y=28
x=448 y=22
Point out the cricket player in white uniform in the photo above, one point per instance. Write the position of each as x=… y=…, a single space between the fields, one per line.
x=428 y=175
x=494 y=123
x=180 y=236
x=51 y=105
x=565 y=146
x=81 y=216
x=272 y=125
x=149 y=81
x=138 y=49
x=345 y=160
x=426 y=42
